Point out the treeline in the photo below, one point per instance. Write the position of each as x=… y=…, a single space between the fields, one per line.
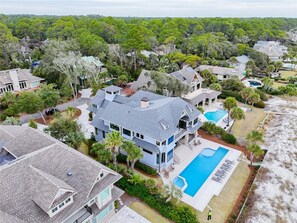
x=198 y=40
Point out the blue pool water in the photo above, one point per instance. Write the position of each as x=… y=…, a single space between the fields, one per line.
x=255 y=83
x=200 y=168
x=179 y=182
x=215 y=116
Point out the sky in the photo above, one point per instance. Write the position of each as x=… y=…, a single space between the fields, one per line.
x=154 y=8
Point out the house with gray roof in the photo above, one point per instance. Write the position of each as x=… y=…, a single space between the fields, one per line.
x=156 y=123
x=273 y=49
x=196 y=95
x=224 y=73
x=49 y=182
x=16 y=80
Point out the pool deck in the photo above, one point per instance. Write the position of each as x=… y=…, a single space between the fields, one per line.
x=221 y=123
x=210 y=187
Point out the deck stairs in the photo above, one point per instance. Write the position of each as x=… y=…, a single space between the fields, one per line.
x=181 y=153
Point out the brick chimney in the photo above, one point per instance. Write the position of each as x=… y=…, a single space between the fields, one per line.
x=144 y=103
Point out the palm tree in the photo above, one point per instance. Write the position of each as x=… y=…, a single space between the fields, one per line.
x=267 y=83
x=254 y=98
x=237 y=114
x=229 y=104
x=278 y=65
x=252 y=139
x=113 y=141
x=246 y=93
x=255 y=151
x=134 y=153
x=70 y=112
x=233 y=60
x=171 y=191
x=270 y=68
x=102 y=153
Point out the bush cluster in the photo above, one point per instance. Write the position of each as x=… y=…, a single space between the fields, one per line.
x=138 y=165
x=212 y=129
x=178 y=214
x=227 y=93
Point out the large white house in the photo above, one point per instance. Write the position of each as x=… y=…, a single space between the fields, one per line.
x=44 y=180
x=273 y=49
x=154 y=122
x=196 y=95
x=16 y=80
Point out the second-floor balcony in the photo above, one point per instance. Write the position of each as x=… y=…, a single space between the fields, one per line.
x=81 y=216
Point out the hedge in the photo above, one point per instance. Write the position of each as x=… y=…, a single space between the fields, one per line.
x=178 y=214
x=229 y=138
x=138 y=165
x=212 y=129
x=227 y=93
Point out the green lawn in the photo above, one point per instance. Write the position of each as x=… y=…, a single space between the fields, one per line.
x=148 y=213
x=277 y=84
x=286 y=74
x=252 y=119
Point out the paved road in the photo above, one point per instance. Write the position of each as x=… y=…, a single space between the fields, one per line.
x=61 y=107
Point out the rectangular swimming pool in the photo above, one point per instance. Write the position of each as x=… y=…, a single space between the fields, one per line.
x=215 y=116
x=200 y=168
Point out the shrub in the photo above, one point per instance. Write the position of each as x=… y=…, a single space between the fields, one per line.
x=229 y=138
x=138 y=165
x=32 y=124
x=262 y=94
x=178 y=214
x=260 y=104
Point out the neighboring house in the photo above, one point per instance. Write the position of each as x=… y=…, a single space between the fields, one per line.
x=154 y=122
x=223 y=73
x=273 y=49
x=49 y=182
x=16 y=80
x=196 y=95
x=164 y=49
x=292 y=34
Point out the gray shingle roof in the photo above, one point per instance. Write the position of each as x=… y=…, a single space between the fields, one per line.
x=207 y=94
x=112 y=88
x=186 y=75
x=147 y=121
x=20 y=179
x=23 y=140
x=46 y=188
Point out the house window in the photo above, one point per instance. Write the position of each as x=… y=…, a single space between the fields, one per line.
x=139 y=136
x=94 y=106
x=171 y=139
x=169 y=155
x=115 y=127
x=158 y=158
x=101 y=175
x=9 y=87
x=61 y=205
x=69 y=199
x=126 y=132
x=163 y=157
x=158 y=143
x=108 y=92
x=149 y=152
x=22 y=84
x=96 y=131
x=195 y=121
x=54 y=210
x=164 y=143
